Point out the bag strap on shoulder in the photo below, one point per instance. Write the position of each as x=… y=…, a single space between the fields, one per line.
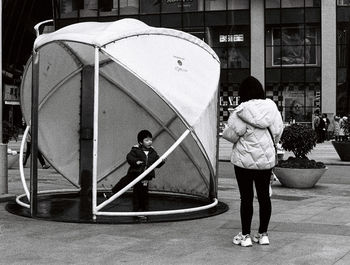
x=273 y=140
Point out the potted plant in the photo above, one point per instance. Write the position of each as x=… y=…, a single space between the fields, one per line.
x=342 y=143
x=299 y=171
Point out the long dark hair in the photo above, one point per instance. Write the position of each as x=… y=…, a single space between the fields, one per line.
x=250 y=88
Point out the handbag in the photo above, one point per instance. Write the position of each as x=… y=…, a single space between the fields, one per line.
x=228 y=134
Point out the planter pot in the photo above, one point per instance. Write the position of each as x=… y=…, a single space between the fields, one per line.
x=299 y=177
x=343 y=150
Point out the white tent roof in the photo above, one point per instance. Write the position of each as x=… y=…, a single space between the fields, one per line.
x=100 y=34
x=156 y=78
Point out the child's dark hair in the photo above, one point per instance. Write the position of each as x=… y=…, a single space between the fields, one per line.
x=250 y=88
x=142 y=135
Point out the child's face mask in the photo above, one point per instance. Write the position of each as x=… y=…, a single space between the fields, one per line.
x=147 y=142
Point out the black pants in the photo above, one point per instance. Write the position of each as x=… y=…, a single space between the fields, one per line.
x=245 y=179
x=140 y=192
x=28 y=151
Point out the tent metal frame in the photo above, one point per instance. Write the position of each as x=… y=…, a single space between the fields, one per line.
x=32 y=194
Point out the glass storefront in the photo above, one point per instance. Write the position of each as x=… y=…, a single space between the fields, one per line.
x=343 y=58
x=293 y=57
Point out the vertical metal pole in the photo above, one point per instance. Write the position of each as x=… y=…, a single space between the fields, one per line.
x=215 y=189
x=1 y=71
x=3 y=169
x=3 y=147
x=95 y=145
x=34 y=135
x=86 y=141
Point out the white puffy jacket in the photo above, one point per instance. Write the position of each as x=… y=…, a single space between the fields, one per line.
x=253 y=147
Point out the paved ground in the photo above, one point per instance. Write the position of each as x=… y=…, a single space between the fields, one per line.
x=310 y=226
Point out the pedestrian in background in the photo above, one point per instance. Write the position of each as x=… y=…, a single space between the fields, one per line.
x=254 y=122
x=341 y=130
x=336 y=127
x=327 y=122
x=319 y=126
x=28 y=152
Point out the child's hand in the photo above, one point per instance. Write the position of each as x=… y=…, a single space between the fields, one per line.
x=139 y=162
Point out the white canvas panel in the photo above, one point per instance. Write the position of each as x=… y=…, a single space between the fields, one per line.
x=120 y=119
x=84 y=53
x=188 y=76
x=206 y=130
x=52 y=74
x=58 y=131
x=142 y=94
x=179 y=174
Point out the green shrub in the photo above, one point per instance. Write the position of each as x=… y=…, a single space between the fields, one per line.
x=293 y=162
x=299 y=139
x=346 y=126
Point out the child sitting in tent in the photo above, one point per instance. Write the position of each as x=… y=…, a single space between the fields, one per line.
x=140 y=158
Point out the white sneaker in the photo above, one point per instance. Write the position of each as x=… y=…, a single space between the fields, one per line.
x=243 y=240
x=262 y=239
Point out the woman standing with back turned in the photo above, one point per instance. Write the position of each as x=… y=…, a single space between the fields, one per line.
x=254 y=122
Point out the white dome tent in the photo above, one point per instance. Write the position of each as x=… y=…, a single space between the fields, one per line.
x=138 y=77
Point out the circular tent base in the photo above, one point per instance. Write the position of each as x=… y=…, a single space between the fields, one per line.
x=70 y=207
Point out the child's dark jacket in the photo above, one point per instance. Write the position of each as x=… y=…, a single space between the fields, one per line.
x=137 y=154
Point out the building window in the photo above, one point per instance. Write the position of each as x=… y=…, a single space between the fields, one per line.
x=149 y=6
x=292 y=58
x=293 y=46
x=211 y=5
x=292 y=3
x=232 y=45
x=129 y=7
x=69 y=8
x=237 y=4
x=272 y=3
x=343 y=58
x=343 y=2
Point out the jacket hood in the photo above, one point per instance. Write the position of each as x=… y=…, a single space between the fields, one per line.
x=259 y=113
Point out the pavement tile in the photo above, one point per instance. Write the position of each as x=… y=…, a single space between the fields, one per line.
x=345 y=260
x=308 y=227
x=304 y=249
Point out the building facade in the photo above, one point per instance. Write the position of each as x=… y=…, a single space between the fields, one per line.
x=19 y=18
x=298 y=49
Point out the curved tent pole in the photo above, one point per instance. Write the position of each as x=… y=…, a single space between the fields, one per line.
x=164 y=126
x=145 y=173
x=37 y=26
x=21 y=170
x=58 y=85
x=19 y=197
x=200 y=43
x=21 y=162
x=165 y=212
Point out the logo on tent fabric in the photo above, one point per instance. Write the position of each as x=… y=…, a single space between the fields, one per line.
x=180 y=62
